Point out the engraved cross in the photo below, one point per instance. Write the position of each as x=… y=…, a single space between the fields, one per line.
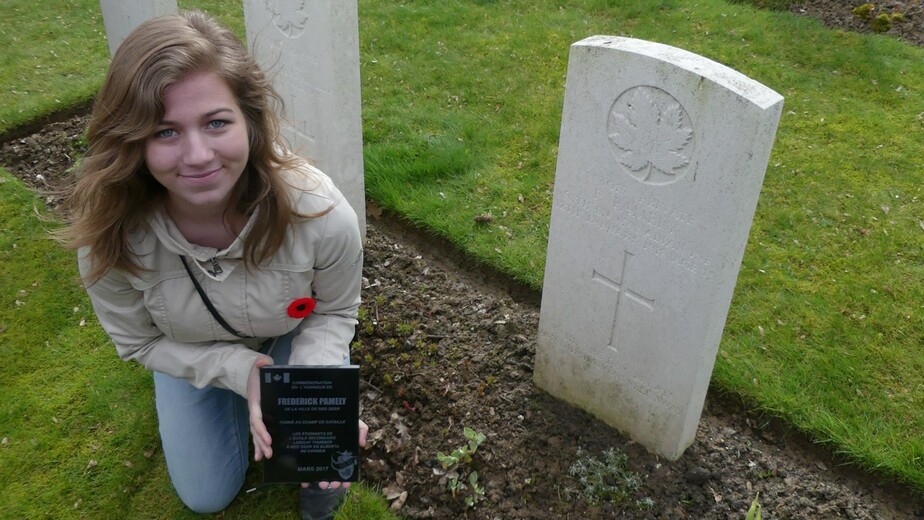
x=299 y=120
x=619 y=286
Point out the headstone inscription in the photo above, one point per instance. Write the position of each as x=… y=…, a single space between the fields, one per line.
x=310 y=48
x=121 y=16
x=661 y=159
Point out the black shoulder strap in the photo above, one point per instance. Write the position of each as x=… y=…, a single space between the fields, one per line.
x=208 y=303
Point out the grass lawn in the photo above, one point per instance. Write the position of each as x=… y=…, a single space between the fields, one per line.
x=54 y=56
x=461 y=107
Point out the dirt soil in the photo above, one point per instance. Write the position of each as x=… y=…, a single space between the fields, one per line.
x=447 y=344
x=839 y=14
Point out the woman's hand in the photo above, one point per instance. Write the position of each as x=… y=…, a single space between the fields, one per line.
x=363 y=432
x=262 y=442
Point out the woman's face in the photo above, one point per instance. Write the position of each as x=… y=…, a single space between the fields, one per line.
x=200 y=148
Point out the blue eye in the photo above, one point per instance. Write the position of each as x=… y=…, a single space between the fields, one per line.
x=218 y=123
x=168 y=132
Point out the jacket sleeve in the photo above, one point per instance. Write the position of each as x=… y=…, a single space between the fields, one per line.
x=326 y=334
x=122 y=314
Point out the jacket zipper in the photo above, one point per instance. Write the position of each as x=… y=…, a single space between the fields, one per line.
x=216 y=268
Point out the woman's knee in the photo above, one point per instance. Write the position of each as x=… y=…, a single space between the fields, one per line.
x=210 y=499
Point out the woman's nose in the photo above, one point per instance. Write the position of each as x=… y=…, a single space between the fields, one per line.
x=198 y=150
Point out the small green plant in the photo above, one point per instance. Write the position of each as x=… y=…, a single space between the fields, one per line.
x=881 y=23
x=644 y=504
x=606 y=480
x=863 y=11
x=405 y=329
x=754 y=513
x=457 y=464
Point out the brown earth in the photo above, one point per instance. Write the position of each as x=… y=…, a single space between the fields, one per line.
x=839 y=14
x=446 y=344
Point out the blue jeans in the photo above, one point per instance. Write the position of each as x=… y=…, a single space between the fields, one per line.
x=205 y=434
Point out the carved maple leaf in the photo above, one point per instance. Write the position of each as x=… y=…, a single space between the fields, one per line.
x=650 y=133
x=289 y=17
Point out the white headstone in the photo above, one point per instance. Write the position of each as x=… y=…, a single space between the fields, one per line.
x=661 y=159
x=121 y=16
x=310 y=48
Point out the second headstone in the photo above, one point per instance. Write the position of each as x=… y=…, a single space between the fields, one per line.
x=661 y=159
x=310 y=48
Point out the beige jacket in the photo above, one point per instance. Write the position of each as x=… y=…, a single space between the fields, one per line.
x=159 y=320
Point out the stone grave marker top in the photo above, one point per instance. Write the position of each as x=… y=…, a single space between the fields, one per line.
x=121 y=16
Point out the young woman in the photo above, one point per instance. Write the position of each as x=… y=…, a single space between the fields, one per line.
x=188 y=199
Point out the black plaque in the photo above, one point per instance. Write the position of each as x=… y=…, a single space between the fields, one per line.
x=312 y=414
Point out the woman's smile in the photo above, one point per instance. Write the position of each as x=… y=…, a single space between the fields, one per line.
x=201 y=176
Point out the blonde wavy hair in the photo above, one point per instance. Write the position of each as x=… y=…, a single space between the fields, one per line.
x=114 y=192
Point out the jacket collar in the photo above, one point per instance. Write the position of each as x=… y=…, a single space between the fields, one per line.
x=217 y=264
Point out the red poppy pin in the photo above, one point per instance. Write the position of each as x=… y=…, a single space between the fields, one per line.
x=301 y=307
